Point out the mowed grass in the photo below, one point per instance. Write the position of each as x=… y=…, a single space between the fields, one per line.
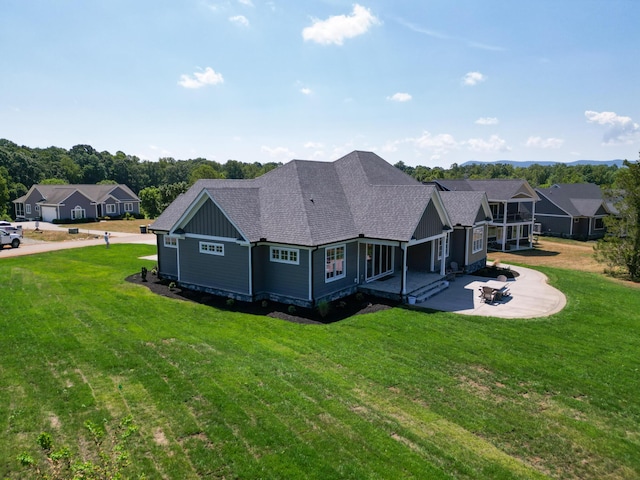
x=395 y=394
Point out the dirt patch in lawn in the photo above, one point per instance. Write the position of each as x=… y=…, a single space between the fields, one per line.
x=338 y=310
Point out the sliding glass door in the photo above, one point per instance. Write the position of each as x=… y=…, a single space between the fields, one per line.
x=379 y=260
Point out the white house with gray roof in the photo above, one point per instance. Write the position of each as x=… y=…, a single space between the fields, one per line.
x=74 y=202
x=310 y=231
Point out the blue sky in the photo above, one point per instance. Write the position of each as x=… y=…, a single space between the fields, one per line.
x=428 y=82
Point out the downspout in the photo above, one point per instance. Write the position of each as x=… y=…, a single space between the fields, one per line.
x=251 y=269
x=311 y=299
x=468 y=231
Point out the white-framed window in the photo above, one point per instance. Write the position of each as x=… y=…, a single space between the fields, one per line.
x=170 y=242
x=212 y=248
x=478 y=239
x=78 y=212
x=443 y=244
x=27 y=208
x=128 y=207
x=335 y=262
x=285 y=255
x=599 y=224
x=111 y=208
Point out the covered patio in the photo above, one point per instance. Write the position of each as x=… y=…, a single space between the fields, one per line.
x=417 y=283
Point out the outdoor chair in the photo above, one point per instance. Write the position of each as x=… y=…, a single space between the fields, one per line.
x=488 y=294
x=455 y=269
x=502 y=278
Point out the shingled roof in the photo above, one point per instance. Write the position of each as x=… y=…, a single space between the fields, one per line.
x=315 y=203
x=463 y=207
x=497 y=189
x=57 y=194
x=577 y=199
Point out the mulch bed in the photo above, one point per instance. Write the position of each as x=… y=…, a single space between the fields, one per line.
x=339 y=309
x=493 y=272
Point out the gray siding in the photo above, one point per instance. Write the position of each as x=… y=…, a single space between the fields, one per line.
x=74 y=200
x=280 y=279
x=167 y=259
x=481 y=216
x=321 y=288
x=429 y=224
x=482 y=254
x=545 y=206
x=554 y=225
x=209 y=220
x=229 y=272
x=419 y=257
x=458 y=245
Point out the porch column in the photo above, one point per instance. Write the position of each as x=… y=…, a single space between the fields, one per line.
x=403 y=277
x=533 y=223
x=504 y=227
x=443 y=261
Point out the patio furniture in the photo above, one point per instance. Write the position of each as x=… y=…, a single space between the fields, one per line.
x=494 y=290
x=454 y=269
x=502 y=278
x=487 y=294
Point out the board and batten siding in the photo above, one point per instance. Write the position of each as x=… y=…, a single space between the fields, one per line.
x=280 y=279
x=211 y=221
x=322 y=288
x=430 y=223
x=228 y=272
x=77 y=199
x=167 y=258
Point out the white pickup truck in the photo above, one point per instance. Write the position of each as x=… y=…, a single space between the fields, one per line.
x=9 y=238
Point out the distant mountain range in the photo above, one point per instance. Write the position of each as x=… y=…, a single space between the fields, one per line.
x=515 y=163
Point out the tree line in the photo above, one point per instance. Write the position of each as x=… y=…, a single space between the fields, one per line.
x=158 y=183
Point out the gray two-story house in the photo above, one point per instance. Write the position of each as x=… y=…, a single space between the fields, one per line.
x=310 y=231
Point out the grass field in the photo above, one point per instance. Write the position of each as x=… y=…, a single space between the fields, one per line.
x=395 y=394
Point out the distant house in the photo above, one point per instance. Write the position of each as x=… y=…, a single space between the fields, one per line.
x=73 y=202
x=572 y=210
x=512 y=204
x=311 y=231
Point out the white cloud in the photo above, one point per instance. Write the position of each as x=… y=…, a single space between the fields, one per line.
x=247 y=3
x=400 y=97
x=620 y=130
x=240 y=20
x=473 y=78
x=306 y=91
x=336 y=28
x=279 y=153
x=493 y=145
x=314 y=145
x=487 y=121
x=538 y=142
x=201 y=79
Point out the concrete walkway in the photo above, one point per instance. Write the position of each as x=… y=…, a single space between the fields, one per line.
x=30 y=247
x=531 y=297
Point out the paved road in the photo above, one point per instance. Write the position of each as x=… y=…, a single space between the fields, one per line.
x=29 y=247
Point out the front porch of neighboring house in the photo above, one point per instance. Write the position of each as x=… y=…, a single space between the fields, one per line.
x=512 y=226
x=425 y=270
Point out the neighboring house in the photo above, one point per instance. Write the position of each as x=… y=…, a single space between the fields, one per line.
x=309 y=232
x=73 y=202
x=512 y=204
x=572 y=210
x=470 y=216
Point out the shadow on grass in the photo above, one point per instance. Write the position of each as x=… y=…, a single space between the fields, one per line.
x=338 y=310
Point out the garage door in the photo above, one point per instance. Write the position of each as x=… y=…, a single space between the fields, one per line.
x=49 y=214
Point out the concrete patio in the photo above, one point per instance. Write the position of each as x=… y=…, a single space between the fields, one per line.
x=531 y=297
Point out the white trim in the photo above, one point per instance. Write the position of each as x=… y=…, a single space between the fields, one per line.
x=211 y=237
x=174 y=241
x=474 y=247
x=284 y=255
x=250 y=289
x=110 y=208
x=128 y=206
x=210 y=248
x=310 y=271
x=334 y=262
x=390 y=257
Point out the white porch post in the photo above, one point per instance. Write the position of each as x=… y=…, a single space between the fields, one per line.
x=443 y=259
x=533 y=223
x=404 y=269
x=504 y=227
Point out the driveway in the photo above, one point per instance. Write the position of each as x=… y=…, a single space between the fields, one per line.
x=30 y=247
x=531 y=297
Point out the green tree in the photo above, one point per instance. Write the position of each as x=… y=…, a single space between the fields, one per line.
x=620 y=248
x=203 y=171
x=4 y=195
x=150 y=201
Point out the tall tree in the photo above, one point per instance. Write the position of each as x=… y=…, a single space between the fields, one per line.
x=620 y=248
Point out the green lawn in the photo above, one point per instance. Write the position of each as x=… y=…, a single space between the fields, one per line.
x=396 y=394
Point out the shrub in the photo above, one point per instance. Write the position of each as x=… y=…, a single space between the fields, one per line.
x=292 y=309
x=230 y=302
x=323 y=308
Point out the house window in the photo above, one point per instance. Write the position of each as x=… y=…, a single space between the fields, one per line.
x=19 y=209
x=285 y=255
x=27 y=207
x=37 y=207
x=379 y=260
x=111 y=208
x=212 y=248
x=478 y=239
x=128 y=207
x=599 y=225
x=171 y=242
x=334 y=260
x=443 y=242
x=77 y=213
